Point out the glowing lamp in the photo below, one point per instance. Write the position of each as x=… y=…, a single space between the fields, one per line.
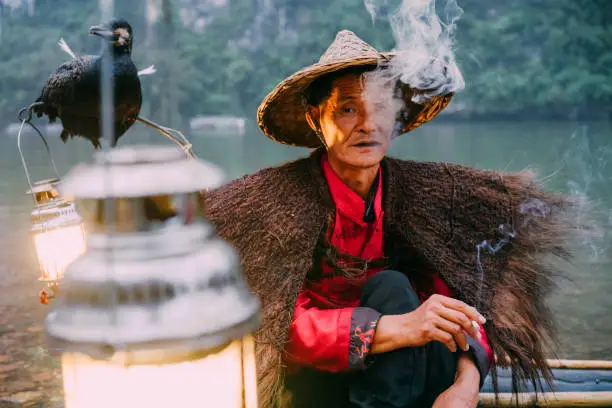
x=155 y=313
x=57 y=231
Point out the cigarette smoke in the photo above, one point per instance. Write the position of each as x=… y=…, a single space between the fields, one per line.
x=424 y=58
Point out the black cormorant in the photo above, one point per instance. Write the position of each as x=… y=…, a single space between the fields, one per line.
x=73 y=94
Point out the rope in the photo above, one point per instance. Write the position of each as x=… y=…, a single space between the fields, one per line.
x=172 y=134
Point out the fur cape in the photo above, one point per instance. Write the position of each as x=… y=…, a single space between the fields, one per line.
x=486 y=234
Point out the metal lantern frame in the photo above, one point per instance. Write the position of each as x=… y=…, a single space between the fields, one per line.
x=156 y=289
x=53 y=217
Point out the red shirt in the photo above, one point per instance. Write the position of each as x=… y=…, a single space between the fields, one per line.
x=320 y=334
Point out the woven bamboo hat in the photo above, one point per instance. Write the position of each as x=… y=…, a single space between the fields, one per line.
x=281 y=115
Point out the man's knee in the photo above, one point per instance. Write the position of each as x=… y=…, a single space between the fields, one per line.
x=390 y=292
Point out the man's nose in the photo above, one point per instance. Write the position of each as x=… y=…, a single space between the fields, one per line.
x=367 y=123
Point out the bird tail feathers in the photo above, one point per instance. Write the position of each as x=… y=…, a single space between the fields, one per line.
x=64 y=46
x=147 y=71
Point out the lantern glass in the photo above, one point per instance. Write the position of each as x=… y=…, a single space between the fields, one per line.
x=140 y=214
x=213 y=380
x=57 y=228
x=57 y=248
x=249 y=372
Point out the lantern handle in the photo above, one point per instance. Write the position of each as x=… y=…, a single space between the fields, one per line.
x=28 y=120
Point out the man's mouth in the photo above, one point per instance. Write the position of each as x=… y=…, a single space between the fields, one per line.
x=366 y=144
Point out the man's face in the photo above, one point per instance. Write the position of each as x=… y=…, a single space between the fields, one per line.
x=357 y=130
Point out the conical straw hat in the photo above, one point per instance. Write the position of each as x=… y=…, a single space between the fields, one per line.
x=281 y=115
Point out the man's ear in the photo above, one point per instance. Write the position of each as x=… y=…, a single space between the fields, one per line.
x=313 y=116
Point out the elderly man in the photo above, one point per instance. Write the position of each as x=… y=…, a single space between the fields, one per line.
x=384 y=283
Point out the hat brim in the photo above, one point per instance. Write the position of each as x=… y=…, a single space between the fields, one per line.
x=281 y=115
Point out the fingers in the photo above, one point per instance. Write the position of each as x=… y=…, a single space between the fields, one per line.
x=458 y=305
x=454 y=330
x=449 y=321
x=461 y=320
x=446 y=338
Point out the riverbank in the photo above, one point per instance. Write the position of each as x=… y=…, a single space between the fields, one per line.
x=29 y=375
x=458 y=111
x=454 y=113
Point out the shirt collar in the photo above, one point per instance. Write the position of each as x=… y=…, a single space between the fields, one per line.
x=348 y=202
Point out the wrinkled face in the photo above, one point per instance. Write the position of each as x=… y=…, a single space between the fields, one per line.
x=356 y=130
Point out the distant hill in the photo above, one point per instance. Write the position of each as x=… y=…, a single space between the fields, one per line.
x=545 y=59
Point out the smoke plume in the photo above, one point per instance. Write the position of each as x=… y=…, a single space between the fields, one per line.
x=424 y=59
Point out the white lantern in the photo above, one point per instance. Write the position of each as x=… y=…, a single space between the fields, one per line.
x=155 y=313
x=58 y=233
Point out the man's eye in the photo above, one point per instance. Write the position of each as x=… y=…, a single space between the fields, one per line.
x=349 y=109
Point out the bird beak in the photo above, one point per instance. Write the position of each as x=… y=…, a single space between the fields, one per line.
x=103 y=32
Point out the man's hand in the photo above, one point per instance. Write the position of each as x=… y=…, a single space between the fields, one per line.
x=464 y=392
x=440 y=318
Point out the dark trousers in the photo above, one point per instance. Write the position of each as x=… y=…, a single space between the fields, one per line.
x=408 y=377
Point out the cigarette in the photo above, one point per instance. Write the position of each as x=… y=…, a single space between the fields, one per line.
x=477 y=327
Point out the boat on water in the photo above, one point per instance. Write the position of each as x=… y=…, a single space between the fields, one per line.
x=216 y=124
x=576 y=383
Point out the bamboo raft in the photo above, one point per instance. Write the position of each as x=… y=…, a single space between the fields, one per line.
x=577 y=383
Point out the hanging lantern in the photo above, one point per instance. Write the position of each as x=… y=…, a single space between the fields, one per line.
x=156 y=312
x=58 y=234
x=57 y=228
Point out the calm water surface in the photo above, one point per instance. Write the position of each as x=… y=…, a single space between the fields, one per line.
x=577 y=157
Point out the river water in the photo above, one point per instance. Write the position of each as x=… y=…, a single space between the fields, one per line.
x=578 y=157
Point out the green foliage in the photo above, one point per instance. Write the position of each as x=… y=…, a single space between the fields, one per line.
x=551 y=57
x=527 y=58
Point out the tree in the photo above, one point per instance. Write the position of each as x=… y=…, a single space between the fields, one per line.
x=521 y=58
